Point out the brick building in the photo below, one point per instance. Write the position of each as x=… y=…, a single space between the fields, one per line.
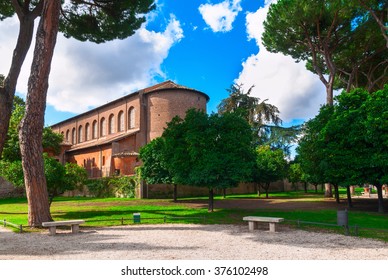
x=106 y=140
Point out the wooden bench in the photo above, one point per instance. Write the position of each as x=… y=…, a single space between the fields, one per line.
x=253 y=222
x=53 y=225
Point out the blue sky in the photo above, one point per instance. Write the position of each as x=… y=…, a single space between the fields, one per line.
x=203 y=44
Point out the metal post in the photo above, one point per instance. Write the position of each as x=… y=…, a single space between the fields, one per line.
x=5 y=222
x=21 y=228
x=122 y=221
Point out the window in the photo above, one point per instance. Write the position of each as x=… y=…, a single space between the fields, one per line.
x=103 y=127
x=80 y=136
x=120 y=121
x=87 y=132
x=73 y=137
x=95 y=129
x=111 y=124
x=131 y=118
x=68 y=135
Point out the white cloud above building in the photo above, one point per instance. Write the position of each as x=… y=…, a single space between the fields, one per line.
x=85 y=75
x=297 y=92
x=220 y=17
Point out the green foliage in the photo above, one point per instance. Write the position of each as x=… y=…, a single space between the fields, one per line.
x=347 y=144
x=271 y=166
x=335 y=37
x=262 y=116
x=154 y=168
x=52 y=140
x=6 y=9
x=99 y=187
x=295 y=173
x=122 y=186
x=209 y=151
x=11 y=152
x=75 y=176
x=12 y=171
x=100 y=21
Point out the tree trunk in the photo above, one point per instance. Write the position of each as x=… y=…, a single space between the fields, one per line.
x=349 y=196
x=305 y=187
x=257 y=189
x=7 y=91
x=175 y=195
x=316 y=188
x=267 y=190
x=337 y=199
x=31 y=127
x=224 y=192
x=380 y=197
x=211 y=200
x=328 y=190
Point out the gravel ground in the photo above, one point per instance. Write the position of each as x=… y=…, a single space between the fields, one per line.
x=188 y=242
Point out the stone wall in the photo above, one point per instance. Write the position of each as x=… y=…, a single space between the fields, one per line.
x=8 y=190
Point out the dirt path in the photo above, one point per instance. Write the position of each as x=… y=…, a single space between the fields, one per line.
x=184 y=242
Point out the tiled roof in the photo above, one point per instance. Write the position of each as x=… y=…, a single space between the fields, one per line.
x=102 y=141
x=125 y=154
x=161 y=86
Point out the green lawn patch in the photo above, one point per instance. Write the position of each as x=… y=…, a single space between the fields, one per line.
x=116 y=211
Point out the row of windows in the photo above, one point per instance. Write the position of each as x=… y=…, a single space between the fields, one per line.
x=91 y=131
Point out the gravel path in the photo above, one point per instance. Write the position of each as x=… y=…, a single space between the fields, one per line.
x=188 y=242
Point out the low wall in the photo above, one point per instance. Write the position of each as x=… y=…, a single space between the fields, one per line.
x=8 y=190
x=166 y=191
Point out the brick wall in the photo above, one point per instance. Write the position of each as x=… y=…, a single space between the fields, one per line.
x=8 y=190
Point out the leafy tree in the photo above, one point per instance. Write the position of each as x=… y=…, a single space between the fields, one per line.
x=209 y=151
x=311 y=31
x=96 y=21
x=59 y=178
x=262 y=116
x=378 y=10
x=295 y=175
x=11 y=152
x=93 y=20
x=311 y=147
x=12 y=171
x=347 y=144
x=271 y=166
x=154 y=168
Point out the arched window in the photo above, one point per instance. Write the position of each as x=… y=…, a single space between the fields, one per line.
x=111 y=124
x=80 y=135
x=120 y=121
x=68 y=135
x=131 y=118
x=87 y=132
x=73 y=137
x=95 y=129
x=102 y=127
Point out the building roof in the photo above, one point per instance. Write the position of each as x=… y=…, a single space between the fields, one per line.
x=102 y=141
x=167 y=85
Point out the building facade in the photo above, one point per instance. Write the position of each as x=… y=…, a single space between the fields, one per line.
x=106 y=140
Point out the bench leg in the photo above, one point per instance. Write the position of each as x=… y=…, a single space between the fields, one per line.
x=272 y=227
x=74 y=228
x=52 y=230
x=252 y=225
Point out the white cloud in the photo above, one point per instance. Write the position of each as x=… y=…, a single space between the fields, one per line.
x=85 y=75
x=220 y=17
x=297 y=92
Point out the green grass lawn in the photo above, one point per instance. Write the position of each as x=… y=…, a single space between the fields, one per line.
x=100 y=212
